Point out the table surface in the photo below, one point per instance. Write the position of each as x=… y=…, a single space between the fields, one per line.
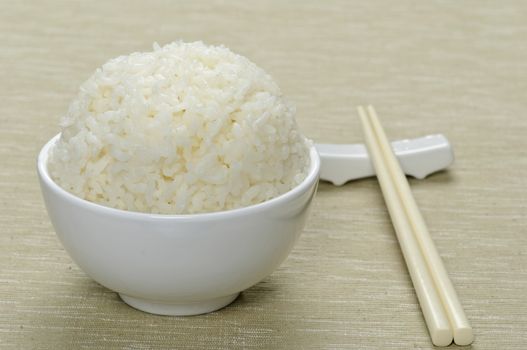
x=458 y=68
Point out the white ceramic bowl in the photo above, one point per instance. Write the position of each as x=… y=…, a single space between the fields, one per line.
x=178 y=264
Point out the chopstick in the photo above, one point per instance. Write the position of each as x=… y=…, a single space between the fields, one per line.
x=435 y=317
x=460 y=325
x=441 y=308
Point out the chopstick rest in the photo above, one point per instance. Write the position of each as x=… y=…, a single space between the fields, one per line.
x=434 y=289
x=418 y=157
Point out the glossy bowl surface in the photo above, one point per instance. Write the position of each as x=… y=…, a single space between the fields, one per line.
x=178 y=264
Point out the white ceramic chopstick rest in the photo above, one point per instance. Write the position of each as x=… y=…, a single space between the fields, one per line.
x=418 y=157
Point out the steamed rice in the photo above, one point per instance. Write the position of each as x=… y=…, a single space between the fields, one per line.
x=186 y=128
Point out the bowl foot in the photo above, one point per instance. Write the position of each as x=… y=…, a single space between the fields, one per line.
x=178 y=309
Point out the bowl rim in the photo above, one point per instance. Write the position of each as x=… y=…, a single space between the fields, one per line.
x=42 y=169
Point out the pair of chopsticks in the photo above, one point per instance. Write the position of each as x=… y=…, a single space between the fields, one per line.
x=443 y=313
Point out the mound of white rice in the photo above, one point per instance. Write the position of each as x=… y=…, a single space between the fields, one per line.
x=187 y=128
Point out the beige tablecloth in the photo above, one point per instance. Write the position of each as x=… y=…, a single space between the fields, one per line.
x=459 y=68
